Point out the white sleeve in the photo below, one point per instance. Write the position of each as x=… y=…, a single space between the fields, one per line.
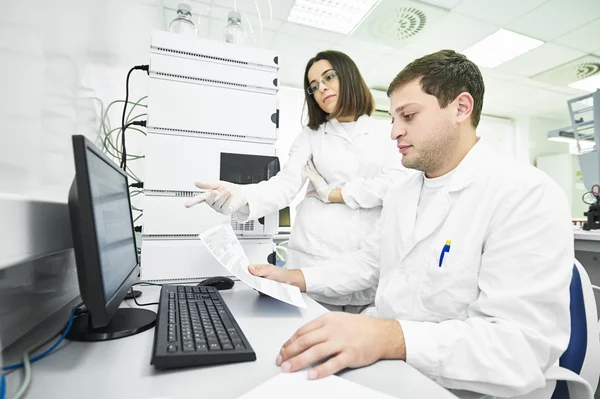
x=352 y=272
x=278 y=192
x=369 y=192
x=519 y=325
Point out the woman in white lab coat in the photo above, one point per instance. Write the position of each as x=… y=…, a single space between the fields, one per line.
x=350 y=160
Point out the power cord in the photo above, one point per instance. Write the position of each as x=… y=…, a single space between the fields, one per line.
x=147 y=283
x=141 y=304
x=123 y=126
x=2 y=386
x=124 y=150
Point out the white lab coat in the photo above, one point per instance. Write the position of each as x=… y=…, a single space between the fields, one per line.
x=365 y=166
x=494 y=318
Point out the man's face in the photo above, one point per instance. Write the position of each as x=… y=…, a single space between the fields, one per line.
x=427 y=135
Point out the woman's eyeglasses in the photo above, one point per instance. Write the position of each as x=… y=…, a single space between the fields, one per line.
x=326 y=79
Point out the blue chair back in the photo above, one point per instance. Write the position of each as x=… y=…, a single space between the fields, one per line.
x=574 y=355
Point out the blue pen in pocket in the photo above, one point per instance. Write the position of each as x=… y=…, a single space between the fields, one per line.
x=444 y=250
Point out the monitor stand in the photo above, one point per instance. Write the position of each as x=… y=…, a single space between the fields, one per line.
x=125 y=322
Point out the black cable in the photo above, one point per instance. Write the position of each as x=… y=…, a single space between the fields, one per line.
x=124 y=150
x=137 y=185
x=123 y=127
x=147 y=283
x=141 y=304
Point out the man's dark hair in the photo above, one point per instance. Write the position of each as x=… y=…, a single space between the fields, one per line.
x=445 y=75
x=354 y=99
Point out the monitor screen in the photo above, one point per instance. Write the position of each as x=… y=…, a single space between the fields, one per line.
x=114 y=230
x=102 y=230
x=284 y=217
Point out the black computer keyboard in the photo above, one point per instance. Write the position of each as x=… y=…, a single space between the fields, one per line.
x=194 y=327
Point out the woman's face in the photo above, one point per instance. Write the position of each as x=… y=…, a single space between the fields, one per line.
x=326 y=95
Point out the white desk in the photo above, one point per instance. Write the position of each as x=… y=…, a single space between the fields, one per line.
x=121 y=368
x=588 y=241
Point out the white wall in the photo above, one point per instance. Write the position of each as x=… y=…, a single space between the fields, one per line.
x=533 y=132
x=565 y=170
x=557 y=159
x=498 y=134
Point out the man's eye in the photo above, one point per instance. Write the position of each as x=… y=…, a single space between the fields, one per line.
x=329 y=77
x=407 y=117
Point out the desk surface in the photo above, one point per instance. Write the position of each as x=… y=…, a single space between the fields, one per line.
x=592 y=235
x=121 y=368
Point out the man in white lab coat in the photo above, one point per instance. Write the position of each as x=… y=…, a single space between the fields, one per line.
x=472 y=258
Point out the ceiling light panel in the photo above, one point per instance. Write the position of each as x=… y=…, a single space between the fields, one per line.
x=340 y=16
x=499 y=47
x=590 y=84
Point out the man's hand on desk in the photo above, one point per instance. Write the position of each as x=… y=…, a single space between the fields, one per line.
x=347 y=340
x=270 y=272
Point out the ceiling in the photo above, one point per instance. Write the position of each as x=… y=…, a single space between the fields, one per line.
x=569 y=28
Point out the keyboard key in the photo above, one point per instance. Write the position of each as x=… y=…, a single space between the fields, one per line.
x=239 y=345
x=172 y=348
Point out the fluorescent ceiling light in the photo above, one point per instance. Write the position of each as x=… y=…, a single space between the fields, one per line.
x=500 y=47
x=588 y=84
x=340 y=16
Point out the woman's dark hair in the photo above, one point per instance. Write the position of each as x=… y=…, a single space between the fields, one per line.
x=354 y=97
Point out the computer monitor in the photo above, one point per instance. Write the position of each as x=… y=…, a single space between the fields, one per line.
x=104 y=243
x=285 y=223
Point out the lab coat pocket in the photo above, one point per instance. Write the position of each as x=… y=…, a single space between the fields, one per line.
x=447 y=291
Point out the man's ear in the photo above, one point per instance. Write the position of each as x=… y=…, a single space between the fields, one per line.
x=464 y=107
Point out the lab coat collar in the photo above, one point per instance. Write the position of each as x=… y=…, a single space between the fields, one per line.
x=469 y=168
x=334 y=127
x=430 y=221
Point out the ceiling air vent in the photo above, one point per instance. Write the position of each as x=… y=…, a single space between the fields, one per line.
x=399 y=24
x=396 y=23
x=578 y=69
x=587 y=69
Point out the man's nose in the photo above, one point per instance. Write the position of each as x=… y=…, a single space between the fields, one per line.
x=398 y=131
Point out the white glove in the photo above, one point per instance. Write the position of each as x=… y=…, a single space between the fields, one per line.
x=317 y=180
x=223 y=197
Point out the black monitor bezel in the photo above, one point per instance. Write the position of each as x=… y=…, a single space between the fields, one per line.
x=89 y=272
